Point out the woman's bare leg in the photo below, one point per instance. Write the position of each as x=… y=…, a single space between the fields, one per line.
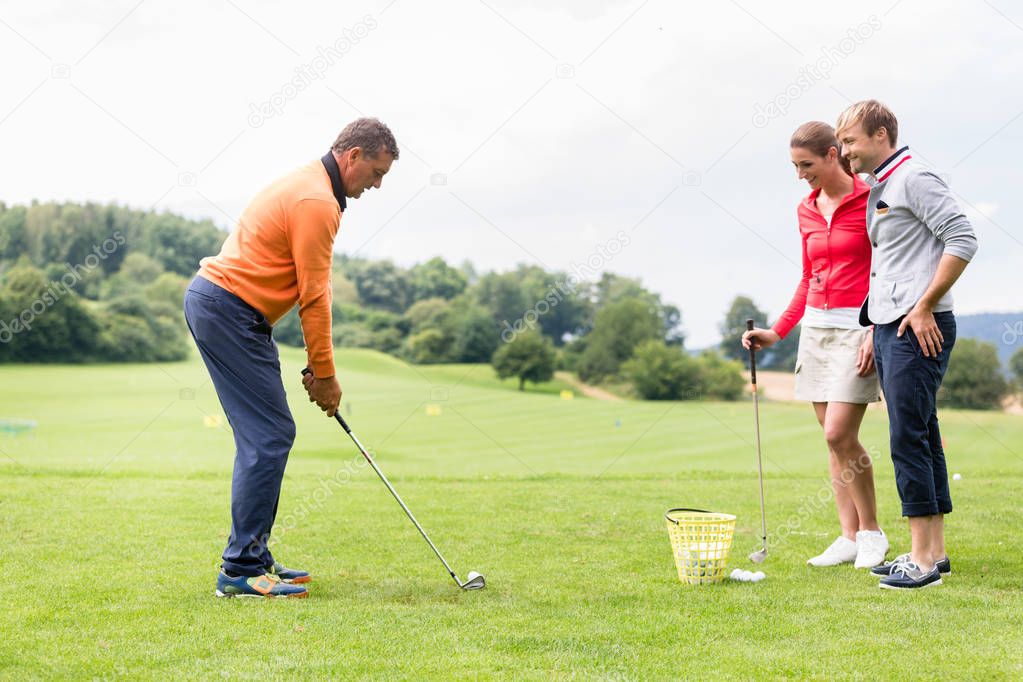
x=848 y=515
x=852 y=465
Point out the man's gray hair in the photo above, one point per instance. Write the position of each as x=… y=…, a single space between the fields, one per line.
x=370 y=135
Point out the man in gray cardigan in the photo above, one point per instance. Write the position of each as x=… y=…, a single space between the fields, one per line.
x=921 y=243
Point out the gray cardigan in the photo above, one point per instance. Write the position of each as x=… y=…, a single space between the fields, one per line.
x=912 y=219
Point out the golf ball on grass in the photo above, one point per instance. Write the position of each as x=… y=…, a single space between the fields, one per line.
x=956 y=477
x=747 y=576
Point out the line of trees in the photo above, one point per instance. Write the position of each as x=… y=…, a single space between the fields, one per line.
x=434 y=312
x=90 y=282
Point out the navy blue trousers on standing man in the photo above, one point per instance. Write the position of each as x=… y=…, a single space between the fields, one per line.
x=910 y=383
x=235 y=342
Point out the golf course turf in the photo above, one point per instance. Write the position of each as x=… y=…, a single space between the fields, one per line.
x=114 y=510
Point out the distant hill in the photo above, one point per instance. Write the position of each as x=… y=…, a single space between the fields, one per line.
x=1004 y=330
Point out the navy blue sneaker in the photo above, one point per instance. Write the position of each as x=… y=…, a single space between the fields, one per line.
x=909 y=576
x=291 y=576
x=944 y=566
x=258 y=586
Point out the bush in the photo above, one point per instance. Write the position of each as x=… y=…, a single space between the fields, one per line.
x=722 y=378
x=43 y=321
x=352 y=335
x=662 y=372
x=379 y=320
x=597 y=362
x=126 y=338
x=168 y=288
x=428 y=346
x=529 y=356
x=387 y=340
x=162 y=341
x=974 y=378
x=353 y=327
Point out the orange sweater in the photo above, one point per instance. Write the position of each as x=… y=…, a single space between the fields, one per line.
x=281 y=254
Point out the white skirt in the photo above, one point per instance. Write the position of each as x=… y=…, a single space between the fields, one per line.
x=826 y=367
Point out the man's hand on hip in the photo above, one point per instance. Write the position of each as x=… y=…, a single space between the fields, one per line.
x=326 y=393
x=921 y=320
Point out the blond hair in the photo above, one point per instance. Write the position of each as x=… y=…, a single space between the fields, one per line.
x=817 y=137
x=873 y=115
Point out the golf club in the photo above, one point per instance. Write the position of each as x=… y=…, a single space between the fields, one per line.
x=473 y=580
x=758 y=556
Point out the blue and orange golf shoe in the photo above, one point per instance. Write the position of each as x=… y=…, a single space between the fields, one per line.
x=266 y=585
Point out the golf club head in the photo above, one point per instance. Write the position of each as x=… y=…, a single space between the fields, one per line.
x=473 y=581
x=758 y=556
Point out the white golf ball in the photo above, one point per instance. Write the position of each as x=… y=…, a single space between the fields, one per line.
x=956 y=477
x=743 y=576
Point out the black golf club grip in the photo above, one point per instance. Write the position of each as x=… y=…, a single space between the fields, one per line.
x=752 y=356
x=337 y=412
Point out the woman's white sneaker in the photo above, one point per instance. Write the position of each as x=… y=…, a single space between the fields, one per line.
x=871 y=548
x=841 y=551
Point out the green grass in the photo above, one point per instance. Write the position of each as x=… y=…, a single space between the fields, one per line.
x=114 y=511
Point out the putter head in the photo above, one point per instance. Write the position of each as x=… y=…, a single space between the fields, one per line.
x=758 y=556
x=473 y=581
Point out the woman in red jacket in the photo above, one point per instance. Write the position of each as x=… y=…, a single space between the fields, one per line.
x=835 y=363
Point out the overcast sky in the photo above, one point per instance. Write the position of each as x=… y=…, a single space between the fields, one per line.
x=530 y=131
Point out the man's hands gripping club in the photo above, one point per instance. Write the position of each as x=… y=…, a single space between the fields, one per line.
x=326 y=392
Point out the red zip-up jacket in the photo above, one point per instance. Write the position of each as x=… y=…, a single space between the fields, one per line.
x=836 y=260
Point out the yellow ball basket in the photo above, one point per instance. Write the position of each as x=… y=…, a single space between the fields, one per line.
x=701 y=541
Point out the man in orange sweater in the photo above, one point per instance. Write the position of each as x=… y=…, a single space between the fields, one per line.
x=280 y=254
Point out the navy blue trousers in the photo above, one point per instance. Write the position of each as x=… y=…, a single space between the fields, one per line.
x=910 y=383
x=235 y=342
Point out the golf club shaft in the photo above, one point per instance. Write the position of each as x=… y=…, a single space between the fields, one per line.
x=394 y=493
x=756 y=433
